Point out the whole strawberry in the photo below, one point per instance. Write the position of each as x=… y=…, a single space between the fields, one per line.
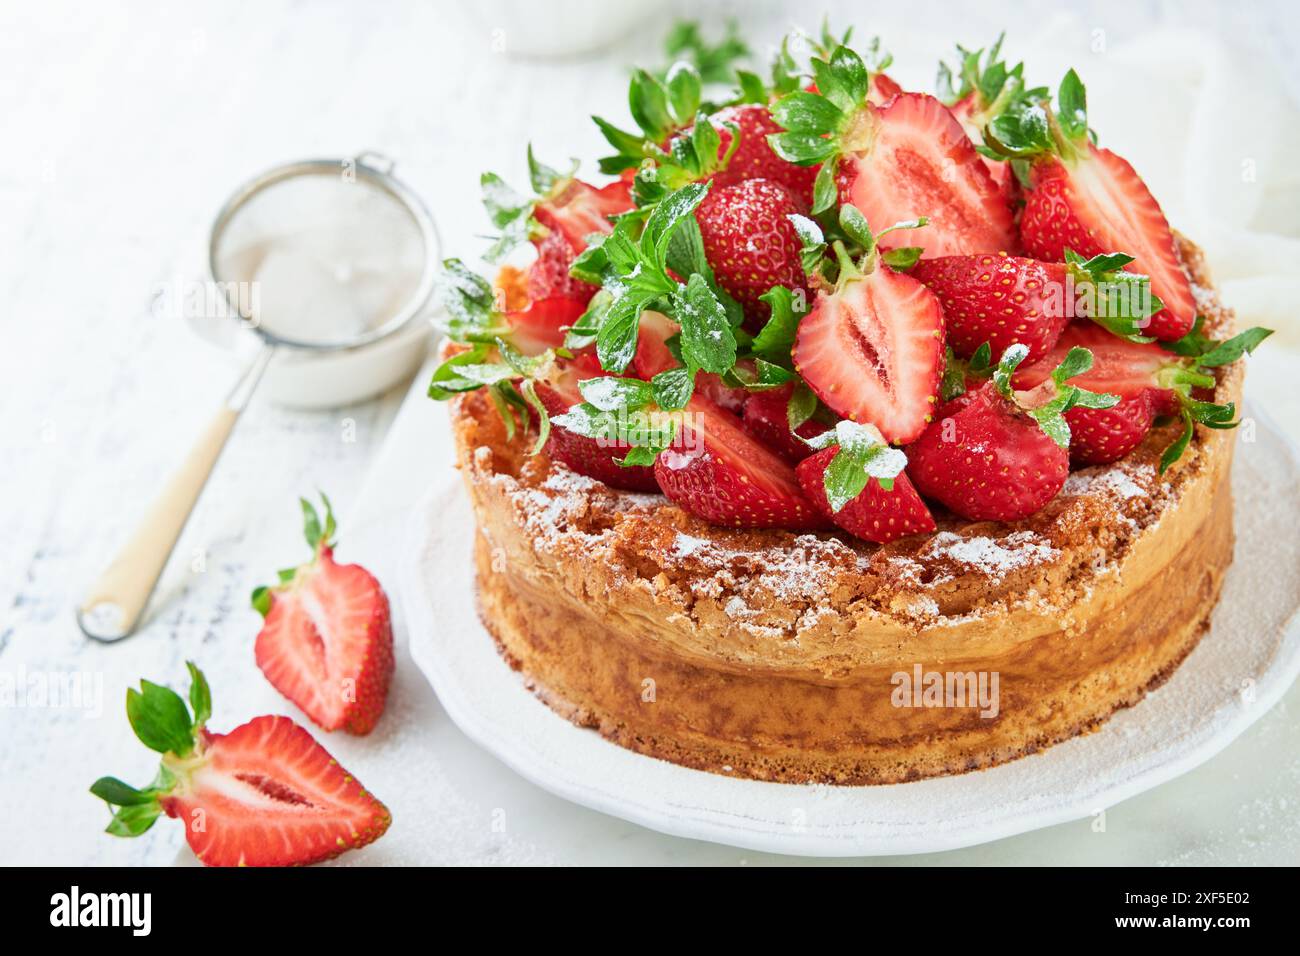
x=327 y=639
x=1001 y=455
x=857 y=481
x=264 y=794
x=753 y=157
x=750 y=242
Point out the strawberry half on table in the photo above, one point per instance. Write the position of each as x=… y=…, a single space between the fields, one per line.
x=885 y=160
x=264 y=794
x=327 y=639
x=1089 y=200
x=997 y=454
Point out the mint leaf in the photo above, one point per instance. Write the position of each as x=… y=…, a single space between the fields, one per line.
x=673 y=387
x=775 y=340
x=609 y=393
x=863 y=455
x=707 y=339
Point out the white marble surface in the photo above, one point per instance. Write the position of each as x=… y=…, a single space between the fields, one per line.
x=125 y=125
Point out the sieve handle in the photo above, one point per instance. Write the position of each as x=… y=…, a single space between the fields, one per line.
x=115 y=603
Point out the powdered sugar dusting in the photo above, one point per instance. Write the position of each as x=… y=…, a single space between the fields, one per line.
x=993 y=558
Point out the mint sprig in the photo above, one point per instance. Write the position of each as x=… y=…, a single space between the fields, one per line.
x=512 y=213
x=863 y=455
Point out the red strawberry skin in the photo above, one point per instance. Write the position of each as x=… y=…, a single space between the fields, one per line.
x=1099 y=436
x=916 y=160
x=576 y=212
x=327 y=644
x=986 y=461
x=875 y=514
x=751 y=243
x=1070 y=207
x=719 y=473
x=999 y=299
x=754 y=159
x=267 y=794
x=873 y=352
x=765 y=416
x=585 y=455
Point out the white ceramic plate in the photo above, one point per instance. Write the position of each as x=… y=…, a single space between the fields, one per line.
x=1239 y=670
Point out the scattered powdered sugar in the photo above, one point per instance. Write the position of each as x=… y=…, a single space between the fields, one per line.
x=1111 y=481
x=684 y=545
x=994 y=558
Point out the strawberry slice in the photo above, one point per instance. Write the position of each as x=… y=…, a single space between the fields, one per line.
x=265 y=794
x=574 y=211
x=873 y=351
x=587 y=456
x=543 y=324
x=875 y=514
x=1095 y=202
x=751 y=243
x=766 y=417
x=327 y=640
x=998 y=299
x=718 y=472
x=912 y=155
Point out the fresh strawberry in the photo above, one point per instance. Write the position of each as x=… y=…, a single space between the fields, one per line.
x=654 y=356
x=718 y=472
x=882 y=89
x=968 y=113
x=543 y=324
x=754 y=159
x=557 y=221
x=265 y=794
x=857 y=481
x=766 y=417
x=872 y=349
x=595 y=458
x=327 y=640
x=1150 y=381
x=1089 y=200
x=914 y=150
x=998 y=299
x=888 y=160
x=751 y=243
x=1000 y=455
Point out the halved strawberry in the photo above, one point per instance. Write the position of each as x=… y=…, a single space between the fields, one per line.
x=327 y=639
x=265 y=794
x=766 y=417
x=873 y=351
x=874 y=504
x=970 y=115
x=999 y=455
x=751 y=243
x=577 y=209
x=542 y=325
x=912 y=154
x=718 y=472
x=587 y=456
x=1089 y=200
x=998 y=299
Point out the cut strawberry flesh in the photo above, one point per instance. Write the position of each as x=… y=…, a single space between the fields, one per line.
x=917 y=161
x=327 y=644
x=581 y=209
x=1096 y=204
x=873 y=352
x=1119 y=366
x=543 y=324
x=718 y=472
x=270 y=795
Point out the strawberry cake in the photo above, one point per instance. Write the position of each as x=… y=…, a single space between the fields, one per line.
x=851 y=434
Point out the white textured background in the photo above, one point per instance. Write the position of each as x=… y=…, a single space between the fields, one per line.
x=124 y=126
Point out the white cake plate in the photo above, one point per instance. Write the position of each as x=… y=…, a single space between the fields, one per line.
x=1240 y=669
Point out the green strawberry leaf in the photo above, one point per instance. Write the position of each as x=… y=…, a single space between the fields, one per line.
x=159 y=718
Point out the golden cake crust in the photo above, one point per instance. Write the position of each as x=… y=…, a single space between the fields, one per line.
x=776 y=655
